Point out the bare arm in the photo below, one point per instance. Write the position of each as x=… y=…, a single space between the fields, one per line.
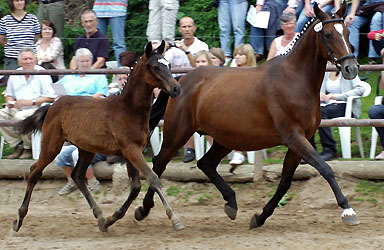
x=72 y=64
x=272 y=50
x=351 y=16
x=100 y=61
x=2 y=40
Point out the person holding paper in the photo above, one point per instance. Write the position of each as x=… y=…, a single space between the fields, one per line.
x=284 y=43
x=267 y=12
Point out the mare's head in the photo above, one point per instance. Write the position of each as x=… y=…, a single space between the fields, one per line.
x=334 y=37
x=158 y=72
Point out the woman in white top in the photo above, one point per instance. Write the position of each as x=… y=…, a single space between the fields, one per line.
x=49 y=48
x=284 y=43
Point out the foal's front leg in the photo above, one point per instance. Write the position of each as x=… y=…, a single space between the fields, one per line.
x=78 y=175
x=134 y=155
x=135 y=190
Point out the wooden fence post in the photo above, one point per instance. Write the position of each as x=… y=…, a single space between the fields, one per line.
x=258 y=171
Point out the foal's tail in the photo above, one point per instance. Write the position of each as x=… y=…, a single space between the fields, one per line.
x=34 y=122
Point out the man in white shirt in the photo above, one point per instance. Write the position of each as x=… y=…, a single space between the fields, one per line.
x=182 y=54
x=23 y=95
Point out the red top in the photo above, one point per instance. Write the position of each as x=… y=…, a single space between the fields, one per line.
x=371 y=35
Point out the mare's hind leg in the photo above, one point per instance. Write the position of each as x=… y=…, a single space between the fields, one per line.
x=134 y=155
x=135 y=190
x=291 y=162
x=49 y=150
x=208 y=164
x=78 y=175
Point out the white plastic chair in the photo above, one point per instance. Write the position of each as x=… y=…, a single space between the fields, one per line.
x=345 y=132
x=156 y=140
x=111 y=64
x=374 y=135
x=35 y=141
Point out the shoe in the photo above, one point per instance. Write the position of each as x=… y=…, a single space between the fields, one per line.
x=27 y=154
x=69 y=187
x=237 y=159
x=16 y=154
x=380 y=156
x=328 y=156
x=190 y=155
x=94 y=186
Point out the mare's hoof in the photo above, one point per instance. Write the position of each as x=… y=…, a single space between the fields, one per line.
x=102 y=226
x=231 y=212
x=178 y=226
x=349 y=217
x=16 y=225
x=138 y=214
x=254 y=223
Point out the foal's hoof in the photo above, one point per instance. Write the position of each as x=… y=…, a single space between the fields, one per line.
x=17 y=224
x=178 y=226
x=102 y=226
x=349 y=217
x=254 y=223
x=230 y=211
x=138 y=214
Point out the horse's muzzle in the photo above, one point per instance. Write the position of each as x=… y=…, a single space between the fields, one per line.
x=174 y=91
x=349 y=68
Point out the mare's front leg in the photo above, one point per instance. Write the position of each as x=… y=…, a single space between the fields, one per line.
x=291 y=162
x=134 y=155
x=135 y=190
x=78 y=175
x=49 y=150
x=208 y=164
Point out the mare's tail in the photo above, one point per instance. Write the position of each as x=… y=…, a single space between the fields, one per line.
x=34 y=122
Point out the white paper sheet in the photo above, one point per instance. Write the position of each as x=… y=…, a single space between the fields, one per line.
x=258 y=19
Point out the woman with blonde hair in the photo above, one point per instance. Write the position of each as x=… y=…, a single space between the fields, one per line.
x=244 y=56
x=217 y=56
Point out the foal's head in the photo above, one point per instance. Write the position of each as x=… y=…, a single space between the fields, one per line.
x=334 y=36
x=158 y=70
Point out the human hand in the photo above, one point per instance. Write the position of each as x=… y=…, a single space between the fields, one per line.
x=22 y=103
x=349 y=19
x=290 y=9
x=309 y=11
x=181 y=46
x=378 y=36
x=258 y=7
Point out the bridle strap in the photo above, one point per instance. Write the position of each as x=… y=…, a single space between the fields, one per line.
x=336 y=61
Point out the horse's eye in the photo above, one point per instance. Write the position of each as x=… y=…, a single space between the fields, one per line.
x=328 y=35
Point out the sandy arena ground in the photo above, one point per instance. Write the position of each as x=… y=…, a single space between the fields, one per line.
x=310 y=220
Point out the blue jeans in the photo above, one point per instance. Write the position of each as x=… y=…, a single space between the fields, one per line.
x=69 y=155
x=377 y=112
x=301 y=21
x=231 y=14
x=117 y=25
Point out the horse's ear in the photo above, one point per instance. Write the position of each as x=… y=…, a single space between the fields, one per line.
x=148 y=49
x=318 y=12
x=342 y=12
x=161 y=48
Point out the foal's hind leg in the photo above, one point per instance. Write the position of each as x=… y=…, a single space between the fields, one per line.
x=291 y=162
x=208 y=164
x=49 y=150
x=135 y=156
x=135 y=190
x=78 y=175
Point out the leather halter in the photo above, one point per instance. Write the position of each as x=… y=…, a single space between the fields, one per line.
x=335 y=61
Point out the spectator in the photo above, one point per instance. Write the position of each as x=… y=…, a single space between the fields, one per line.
x=377 y=41
x=203 y=58
x=307 y=13
x=49 y=49
x=284 y=43
x=355 y=22
x=292 y=6
x=377 y=112
x=119 y=81
x=333 y=96
x=181 y=55
x=231 y=15
x=262 y=38
x=112 y=12
x=217 y=56
x=53 y=11
x=93 y=40
x=162 y=20
x=17 y=30
x=23 y=95
x=81 y=85
x=244 y=57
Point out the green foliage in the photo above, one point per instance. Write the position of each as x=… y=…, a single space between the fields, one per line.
x=173 y=190
x=136 y=26
x=370 y=191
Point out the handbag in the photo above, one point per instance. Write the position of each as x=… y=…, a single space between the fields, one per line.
x=370 y=9
x=49 y=65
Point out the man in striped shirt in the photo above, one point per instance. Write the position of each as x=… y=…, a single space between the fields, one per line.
x=112 y=12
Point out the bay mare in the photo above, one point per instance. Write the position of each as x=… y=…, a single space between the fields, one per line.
x=247 y=109
x=113 y=125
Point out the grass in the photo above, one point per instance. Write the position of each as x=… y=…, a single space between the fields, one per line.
x=370 y=192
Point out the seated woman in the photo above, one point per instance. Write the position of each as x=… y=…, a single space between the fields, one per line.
x=217 y=56
x=81 y=85
x=49 y=49
x=377 y=112
x=333 y=96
